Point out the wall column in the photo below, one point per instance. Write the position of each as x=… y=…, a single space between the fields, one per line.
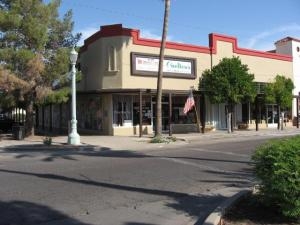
x=141 y=113
x=297 y=109
x=170 y=114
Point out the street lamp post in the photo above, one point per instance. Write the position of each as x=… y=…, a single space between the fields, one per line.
x=73 y=138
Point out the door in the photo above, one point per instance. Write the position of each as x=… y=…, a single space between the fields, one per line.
x=272 y=115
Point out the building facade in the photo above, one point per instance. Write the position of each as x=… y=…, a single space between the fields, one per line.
x=116 y=95
x=291 y=46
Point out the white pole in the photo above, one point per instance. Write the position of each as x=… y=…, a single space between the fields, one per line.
x=73 y=138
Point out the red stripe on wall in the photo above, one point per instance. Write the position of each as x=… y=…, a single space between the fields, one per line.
x=213 y=38
x=118 y=30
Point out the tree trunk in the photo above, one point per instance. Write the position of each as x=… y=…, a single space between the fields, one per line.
x=158 y=126
x=202 y=112
x=232 y=117
x=279 y=116
x=282 y=120
x=228 y=122
x=229 y=118
x=256 y=113
x=29 y=123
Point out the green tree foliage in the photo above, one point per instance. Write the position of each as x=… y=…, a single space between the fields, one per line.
x=34 y=49
x=228 y=82
x=10 y=84
x=277 y=165
x=280 y=92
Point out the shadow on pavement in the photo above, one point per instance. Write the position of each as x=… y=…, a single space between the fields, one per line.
x=133 y=223
x=198 y=206
x=27 y=213
x=52 y=153
x=244 y=178
x=60 y=152
x=206 y=159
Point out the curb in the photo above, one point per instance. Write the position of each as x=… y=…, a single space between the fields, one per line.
x=43 y=147
x=215 y=217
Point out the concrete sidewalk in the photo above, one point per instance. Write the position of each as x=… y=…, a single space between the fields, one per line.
x=97 y=142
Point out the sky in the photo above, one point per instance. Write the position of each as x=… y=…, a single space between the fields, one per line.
x=257 y=24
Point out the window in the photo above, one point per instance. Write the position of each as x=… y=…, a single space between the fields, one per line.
x=122 y=110
x=111 y=59
x=92 y=118
x=146 y=111
x=260 y=87
x=178 y=117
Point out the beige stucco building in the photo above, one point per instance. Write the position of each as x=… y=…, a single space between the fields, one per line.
x=119 y=78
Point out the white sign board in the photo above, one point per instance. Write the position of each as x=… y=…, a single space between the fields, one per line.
x=170 y=66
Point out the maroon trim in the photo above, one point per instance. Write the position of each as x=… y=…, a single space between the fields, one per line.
x=118 y=30
x=137 y=40
x=213 y=38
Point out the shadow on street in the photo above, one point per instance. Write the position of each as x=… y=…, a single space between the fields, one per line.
x=28 y=213
x=192 y=205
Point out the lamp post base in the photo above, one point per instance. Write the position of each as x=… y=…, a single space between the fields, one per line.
x=74 y=139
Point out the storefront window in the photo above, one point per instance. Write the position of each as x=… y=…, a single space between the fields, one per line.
x=89 y=113
x=122 y=110
x=178 y=117
x=146 y=111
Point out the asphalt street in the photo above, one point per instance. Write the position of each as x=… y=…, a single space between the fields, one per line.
x=165 y=184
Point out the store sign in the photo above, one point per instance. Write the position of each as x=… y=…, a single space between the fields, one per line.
x=172 y=67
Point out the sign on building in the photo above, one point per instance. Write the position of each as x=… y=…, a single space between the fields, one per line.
x=147 y=65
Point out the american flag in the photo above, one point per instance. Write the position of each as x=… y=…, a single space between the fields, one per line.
x=189 y=104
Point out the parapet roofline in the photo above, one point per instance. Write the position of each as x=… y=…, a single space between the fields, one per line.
x=286 y=39
x=119 y=30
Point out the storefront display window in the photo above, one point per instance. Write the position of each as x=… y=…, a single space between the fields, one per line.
x=122 y=110
x=178 y=117
x=89 y=114
x=146 y=111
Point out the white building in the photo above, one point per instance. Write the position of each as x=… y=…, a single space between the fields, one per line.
x=291 y=46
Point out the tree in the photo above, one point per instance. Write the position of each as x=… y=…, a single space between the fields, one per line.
x=280 y=92
x=34 y=51
x=158 y=125
x=9 y=84
x=228 y=82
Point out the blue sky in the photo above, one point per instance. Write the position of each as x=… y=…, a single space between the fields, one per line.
x=256 y=23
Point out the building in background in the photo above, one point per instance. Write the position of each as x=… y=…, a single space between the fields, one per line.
x=116 y=95
x=291 y=46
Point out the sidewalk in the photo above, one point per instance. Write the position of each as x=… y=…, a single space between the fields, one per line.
x=97 y=142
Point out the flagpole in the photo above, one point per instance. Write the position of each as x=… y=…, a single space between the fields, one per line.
x=195 y=108
x=197 y=119
x=189 y=104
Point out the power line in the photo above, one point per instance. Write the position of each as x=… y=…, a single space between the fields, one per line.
x=120 y=13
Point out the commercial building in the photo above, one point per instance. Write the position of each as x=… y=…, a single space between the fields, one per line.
x=119 y=78
x=291 y=46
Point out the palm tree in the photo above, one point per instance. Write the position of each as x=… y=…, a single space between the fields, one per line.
x=158 y=126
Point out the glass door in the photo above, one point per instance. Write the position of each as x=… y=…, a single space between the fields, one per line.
x=272 y=115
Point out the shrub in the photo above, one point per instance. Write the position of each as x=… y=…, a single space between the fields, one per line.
x=277 y=165
x=47 y=140
x=163 y=139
